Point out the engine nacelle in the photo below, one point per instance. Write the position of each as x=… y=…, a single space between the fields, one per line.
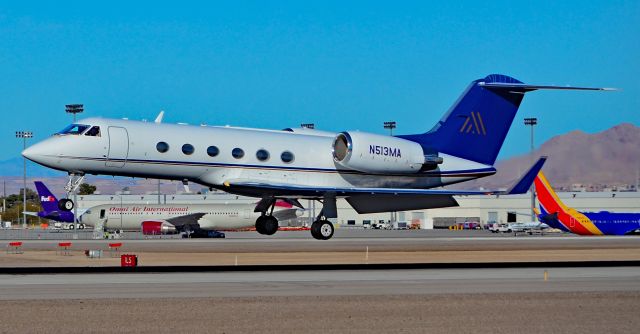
x=157 y=227
x=371 y=153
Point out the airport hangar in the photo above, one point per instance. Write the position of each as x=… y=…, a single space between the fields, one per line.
x=482 y=209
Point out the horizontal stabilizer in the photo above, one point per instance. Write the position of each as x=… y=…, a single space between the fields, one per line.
x=522 y=87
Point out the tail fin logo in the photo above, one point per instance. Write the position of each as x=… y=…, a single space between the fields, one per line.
x=474 y=125
x=47 y=199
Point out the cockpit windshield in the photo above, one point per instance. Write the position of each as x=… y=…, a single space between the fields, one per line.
x=73 y=129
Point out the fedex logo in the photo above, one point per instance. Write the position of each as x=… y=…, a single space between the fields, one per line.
x=47 y=199
x=385 y=150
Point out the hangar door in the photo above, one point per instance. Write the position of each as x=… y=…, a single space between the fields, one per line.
x=118 y=146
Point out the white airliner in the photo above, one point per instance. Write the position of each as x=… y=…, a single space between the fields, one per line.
x=374 y=173
x=158 y=218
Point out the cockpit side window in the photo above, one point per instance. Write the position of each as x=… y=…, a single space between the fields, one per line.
x=74 y=129
x=93 y=132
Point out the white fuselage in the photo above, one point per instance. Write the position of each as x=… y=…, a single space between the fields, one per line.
x=226 y=216
x=129 y=148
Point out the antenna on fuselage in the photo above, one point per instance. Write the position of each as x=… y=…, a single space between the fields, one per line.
x=160 y=116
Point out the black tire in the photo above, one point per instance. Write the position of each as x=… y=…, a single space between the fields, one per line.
x=65 y=204
x=260 y=222
x=322 y=230
x=270 y=225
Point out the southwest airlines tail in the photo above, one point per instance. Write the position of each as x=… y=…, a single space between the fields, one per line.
x=476 y=125
x=48 y=200
x=555 y=214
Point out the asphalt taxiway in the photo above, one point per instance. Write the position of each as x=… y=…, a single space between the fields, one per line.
x=570 y=300
x=487 y=298
x=318 y=282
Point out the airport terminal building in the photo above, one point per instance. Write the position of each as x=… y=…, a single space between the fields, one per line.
x=480 y=209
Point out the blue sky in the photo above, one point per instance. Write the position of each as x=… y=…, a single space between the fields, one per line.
x=341 y=65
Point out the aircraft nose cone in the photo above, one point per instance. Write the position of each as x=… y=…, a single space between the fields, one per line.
x=29 y=153
x=36 y=152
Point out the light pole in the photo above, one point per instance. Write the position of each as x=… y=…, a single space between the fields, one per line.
x=24 y=135
x=532 y=121
x=74 y=109
x=390 y=126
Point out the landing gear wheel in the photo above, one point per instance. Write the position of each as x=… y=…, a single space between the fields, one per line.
x=260 y=224
x=270 y=225
x=322 y=229
x=65 y=204
x=267 y=225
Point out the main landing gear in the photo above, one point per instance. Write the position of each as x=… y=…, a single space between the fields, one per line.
x=266 y=224
x=72 y=186
x=322 y=229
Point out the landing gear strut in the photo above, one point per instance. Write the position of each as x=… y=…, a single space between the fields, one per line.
x=72 y=186
x=266 y=224
x=322 y=229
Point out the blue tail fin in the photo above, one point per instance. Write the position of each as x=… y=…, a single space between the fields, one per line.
x=47 y=199
x=476 y=125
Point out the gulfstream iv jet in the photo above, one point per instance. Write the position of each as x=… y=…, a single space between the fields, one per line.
x=373 y=173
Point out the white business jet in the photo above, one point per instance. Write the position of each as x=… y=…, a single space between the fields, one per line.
x=374 y=173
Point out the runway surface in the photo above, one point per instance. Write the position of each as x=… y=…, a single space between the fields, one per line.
x=313 y=283
x=571 y=300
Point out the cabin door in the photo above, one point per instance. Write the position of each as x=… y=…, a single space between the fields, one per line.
x=118 y=147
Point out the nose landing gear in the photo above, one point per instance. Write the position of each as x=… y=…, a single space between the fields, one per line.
x=65 y=204
x=72 y=186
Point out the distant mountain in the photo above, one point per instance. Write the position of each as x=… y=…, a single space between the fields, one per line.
x=14 y=167
x=607 y=158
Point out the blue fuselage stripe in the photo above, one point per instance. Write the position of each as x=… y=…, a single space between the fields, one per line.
x=459 y=173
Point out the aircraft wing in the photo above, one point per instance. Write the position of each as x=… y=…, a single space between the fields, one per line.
x=303 y=191
x=30 y=213
x=190 y=219
x=286 y=214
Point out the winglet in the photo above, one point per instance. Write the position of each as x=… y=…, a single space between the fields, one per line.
x=523 y=185
x=160 y=117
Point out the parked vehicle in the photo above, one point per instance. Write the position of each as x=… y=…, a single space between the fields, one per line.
x=400 y=225
x=204 y=234
x=500 y=228
x=70 y=226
